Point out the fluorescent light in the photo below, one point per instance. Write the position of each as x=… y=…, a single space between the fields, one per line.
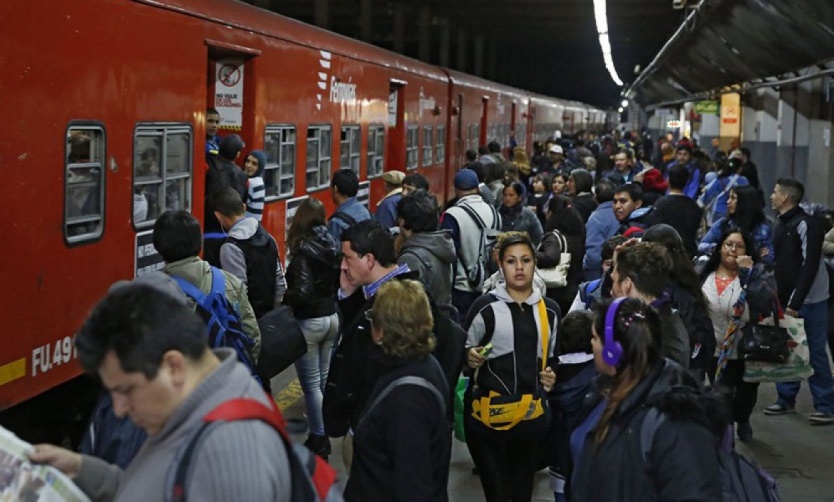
x=602 y=29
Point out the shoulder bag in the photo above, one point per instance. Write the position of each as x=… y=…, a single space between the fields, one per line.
x=557 y=277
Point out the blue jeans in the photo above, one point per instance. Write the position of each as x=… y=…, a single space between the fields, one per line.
x=821 y=382
x=313 y=366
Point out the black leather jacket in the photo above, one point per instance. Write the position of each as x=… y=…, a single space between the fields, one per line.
x=313 y=275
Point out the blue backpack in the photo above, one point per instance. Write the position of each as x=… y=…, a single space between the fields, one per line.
x=225 y=328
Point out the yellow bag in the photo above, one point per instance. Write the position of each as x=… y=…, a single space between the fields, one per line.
x=495 y=409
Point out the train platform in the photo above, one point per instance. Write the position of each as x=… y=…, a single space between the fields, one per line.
x=799 y=455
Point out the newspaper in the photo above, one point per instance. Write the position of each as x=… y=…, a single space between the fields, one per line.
x=21 y=480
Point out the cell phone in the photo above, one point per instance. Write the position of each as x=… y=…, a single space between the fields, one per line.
x=486 y=350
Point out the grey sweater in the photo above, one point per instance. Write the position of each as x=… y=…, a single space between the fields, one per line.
x=243 y=460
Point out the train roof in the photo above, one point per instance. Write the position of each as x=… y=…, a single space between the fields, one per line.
x=270 y=24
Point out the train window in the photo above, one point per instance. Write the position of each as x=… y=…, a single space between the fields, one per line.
x=279 y=172
x=411 y=147
x=440 y=144
x=161 y=171
x=350 y=148
x=428 y=135
x=318 y=157
x=376 y=150
x=84 y=195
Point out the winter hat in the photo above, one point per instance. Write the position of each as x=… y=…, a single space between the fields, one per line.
x=260 y=156
x=394 y=177
x=231 y=146
x=653 y=181
x=466 y=179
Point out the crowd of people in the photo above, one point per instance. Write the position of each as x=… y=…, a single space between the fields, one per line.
x=580 y=294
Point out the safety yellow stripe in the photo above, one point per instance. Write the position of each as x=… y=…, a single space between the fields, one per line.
x=12 y=371
x=289 y=396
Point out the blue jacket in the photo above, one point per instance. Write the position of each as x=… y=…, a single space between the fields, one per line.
x=386 y=211
x=352 y=208
x=719 y=192
x=762 y=236
x=694 y=184
x=601 y=226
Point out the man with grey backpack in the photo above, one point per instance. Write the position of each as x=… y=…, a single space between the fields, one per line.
x=474 y=226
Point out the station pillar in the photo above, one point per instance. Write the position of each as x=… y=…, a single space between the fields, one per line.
x=461 y=58
x=322 y=14
x=399 y=28
x=445 y=41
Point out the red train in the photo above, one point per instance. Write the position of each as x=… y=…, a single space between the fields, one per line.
x=105 y=106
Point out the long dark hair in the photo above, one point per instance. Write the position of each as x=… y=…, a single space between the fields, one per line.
x=749 y=214
x=564 y=217
x=637 y=328
x=715 y=257
x=310 y=213
x=683 y=272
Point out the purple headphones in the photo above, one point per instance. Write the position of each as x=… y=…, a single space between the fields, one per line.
x=612 y=350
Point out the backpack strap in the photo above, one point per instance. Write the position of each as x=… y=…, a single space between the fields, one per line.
x=405 y=380
x=419 y=253
x=651 y=423
x=218 y=282
x=194 y=292
x=321 y=476
x=341 y=215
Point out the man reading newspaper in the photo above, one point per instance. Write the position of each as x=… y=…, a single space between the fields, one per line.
x=150 y=352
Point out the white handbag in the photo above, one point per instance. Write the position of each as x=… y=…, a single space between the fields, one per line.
x=557 y=277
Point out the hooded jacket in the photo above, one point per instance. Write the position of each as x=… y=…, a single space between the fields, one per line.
x=247 y=446
x=683 y=454
x=256 y=191
x=313 y=275
x=514 y=329
x=432 y=256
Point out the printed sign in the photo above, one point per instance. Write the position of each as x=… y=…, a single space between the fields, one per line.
x=228 y=93
x=146 y=259
x=706 y=107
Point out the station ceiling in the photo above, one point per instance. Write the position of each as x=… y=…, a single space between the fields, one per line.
x=546 y=46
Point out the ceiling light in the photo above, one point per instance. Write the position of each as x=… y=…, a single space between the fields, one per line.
x=625 y=103
x=602 y=29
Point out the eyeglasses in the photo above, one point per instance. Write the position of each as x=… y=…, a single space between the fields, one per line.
x=734 y=245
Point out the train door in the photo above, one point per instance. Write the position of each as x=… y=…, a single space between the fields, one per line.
x=482 y=136
x=396 y=150
x=230 y=91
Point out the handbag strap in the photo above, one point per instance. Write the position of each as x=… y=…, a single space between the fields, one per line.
x=545 y=329
x=520 y=412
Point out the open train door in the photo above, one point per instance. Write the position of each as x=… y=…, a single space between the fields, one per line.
x=482 y=136
x=230 y=90
x=396 y=127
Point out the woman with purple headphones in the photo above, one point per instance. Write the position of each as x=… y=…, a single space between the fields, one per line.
x=610 y=462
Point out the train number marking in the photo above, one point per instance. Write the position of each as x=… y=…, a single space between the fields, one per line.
x=53 y=354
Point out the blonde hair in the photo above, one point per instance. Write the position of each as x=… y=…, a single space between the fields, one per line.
x=520 y=160
x=403 y=312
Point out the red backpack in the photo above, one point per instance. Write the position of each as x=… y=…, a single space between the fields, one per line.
x=312 y=478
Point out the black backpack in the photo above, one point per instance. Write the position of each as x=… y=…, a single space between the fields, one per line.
x=741 y=479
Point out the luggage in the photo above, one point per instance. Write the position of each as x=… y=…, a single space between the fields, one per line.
x=282 y=342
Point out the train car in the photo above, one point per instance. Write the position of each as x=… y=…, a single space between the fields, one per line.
x=484 y=111
x=108 y=99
